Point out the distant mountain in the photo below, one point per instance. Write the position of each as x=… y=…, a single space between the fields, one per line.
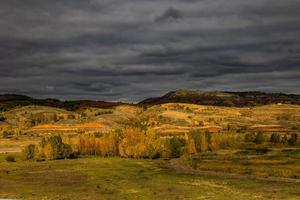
x=220 y=98
x=216 y=98
x=9 y=101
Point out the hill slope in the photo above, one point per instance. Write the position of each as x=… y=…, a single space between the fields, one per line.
x=236 y=99
x=9 y=101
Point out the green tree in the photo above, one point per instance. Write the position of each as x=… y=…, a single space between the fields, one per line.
x=30 y=152
x=53 y=148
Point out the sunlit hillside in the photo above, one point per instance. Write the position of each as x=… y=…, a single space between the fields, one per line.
x=164 y=120
x=249 y=144
x=170 y=117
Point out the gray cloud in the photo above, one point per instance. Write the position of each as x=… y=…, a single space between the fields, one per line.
x=129 y=50
x=170 y=14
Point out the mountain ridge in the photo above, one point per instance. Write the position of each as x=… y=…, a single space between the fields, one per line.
x=214 y=98
x=9 y=101
x=224 y=98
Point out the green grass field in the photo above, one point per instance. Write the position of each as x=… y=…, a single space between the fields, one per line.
x=276 y=162
x=117 y=178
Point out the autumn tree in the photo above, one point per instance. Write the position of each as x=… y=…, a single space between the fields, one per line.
x=53 y=148
x=133 y=144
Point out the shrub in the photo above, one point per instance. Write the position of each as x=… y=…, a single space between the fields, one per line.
x=275 y=138
x=7 y=134
x=156 y=147
x=191 y=161
x=259 y=138
x=10 y=158
x=284 y=139
x=293 y=139
x=262 y=150
x=214 y=145
x=30 y=152
x=2 y=118
x=66 y=151
x=296 y=127
x=250 y=137
x=253 y=151
x=152 y=152
x=177 y=146
x=227 y=140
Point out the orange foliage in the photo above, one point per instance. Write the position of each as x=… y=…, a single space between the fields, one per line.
x=48 y=152
x=104 y=146
x=133 y=144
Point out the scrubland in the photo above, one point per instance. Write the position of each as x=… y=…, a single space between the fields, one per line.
x=168 y=151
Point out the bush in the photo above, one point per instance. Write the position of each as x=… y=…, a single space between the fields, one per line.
x=275 y=138
x=30 y=152
x=177 y=146
x=250 y=137
x=153 y=153
x=66 y=151
x=214 y=145
x=227 y=140
x=293 y=139
x=10 y=158
x=259 y=138
x=253 y=151
x=7 y=134
x=284 y=139
x=156 y=147
x=2 y=118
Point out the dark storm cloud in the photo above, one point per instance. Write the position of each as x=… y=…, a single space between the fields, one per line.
x=130 y=49
x=170 y=14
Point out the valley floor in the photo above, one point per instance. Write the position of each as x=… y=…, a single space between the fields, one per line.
x=116 y=178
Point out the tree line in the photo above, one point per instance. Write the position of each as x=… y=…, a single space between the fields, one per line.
x=134 y=143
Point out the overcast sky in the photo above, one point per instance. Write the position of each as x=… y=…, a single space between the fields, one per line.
x=127 y=50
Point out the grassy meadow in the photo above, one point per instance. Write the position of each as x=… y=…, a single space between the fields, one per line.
x=117 y=178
